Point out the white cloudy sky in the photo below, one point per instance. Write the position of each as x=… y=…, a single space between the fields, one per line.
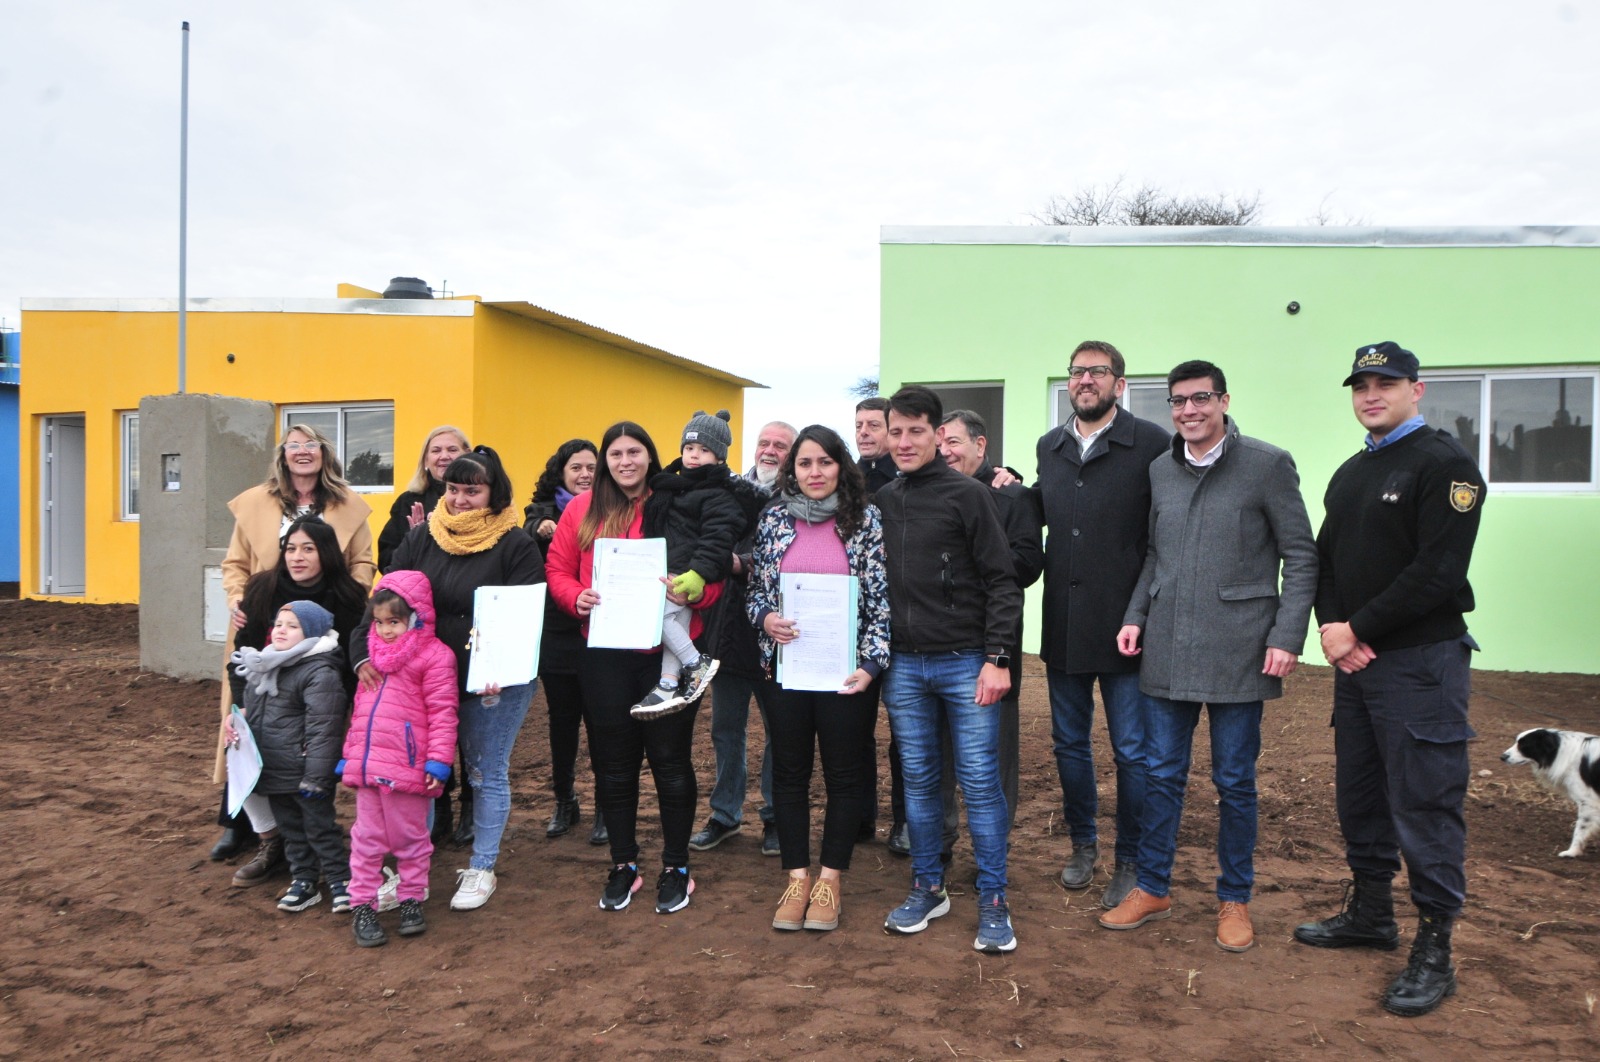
x=710 y=177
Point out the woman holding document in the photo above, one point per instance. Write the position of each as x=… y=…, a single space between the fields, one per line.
x=466 y=543
x=613 y=680
x=821 y=525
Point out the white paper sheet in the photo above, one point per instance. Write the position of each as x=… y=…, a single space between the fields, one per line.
x=244 y=763
x=627 y=576
x=823 y=608
x=507 y=626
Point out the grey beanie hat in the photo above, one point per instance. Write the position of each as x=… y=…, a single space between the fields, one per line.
x=315 y=621
x=711 y=432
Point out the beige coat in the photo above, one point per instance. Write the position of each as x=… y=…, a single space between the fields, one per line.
x=257 y=526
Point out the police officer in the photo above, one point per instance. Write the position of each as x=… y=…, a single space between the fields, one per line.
x=1402 y=516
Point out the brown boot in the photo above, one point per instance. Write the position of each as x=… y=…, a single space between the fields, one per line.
x=791 y=912
x=1234 y=931
x=1139 y=907
x=823 y=910
x=266 y=864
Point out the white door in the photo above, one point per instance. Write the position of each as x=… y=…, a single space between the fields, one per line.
x=61 y=509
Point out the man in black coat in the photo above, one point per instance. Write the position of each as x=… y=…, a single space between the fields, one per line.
x=1094 y=488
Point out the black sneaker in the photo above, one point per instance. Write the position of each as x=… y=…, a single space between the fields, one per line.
x=663 y=700
x=620 y=887
x=673 y=890
x=412 y=921
x=769 y=840
x=369 y=934
x=302 y=893
x=713 y=833
x=339 y=896
x=697 y=677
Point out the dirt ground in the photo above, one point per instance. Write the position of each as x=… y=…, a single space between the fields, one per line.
x=125 y=941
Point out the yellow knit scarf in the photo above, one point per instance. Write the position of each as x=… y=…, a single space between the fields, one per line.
x=470 y=532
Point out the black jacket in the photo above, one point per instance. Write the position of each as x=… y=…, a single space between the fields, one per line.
x=563 y=642
x=300 y=729
x=951 y=583
x=512 y=561
x=258 y=630
x=1098 y=515
x=399 y=525
x=702 y=512
x=879 y=471
x=1018 y=509
x=729 y=633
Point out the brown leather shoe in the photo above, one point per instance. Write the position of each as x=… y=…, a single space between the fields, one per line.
x=1140 y=907
x=823 y=910
x=1234 y=931
x=267 y=863
x=791 y=912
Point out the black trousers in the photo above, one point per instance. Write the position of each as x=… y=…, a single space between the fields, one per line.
x=613 y=680
x=802 y=725
x=1400 y=738
x=563 y=694
x=312 y=840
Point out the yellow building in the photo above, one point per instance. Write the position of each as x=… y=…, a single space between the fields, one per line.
x=376 y=374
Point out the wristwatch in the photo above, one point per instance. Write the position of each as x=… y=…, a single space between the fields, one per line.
x=1000 y=660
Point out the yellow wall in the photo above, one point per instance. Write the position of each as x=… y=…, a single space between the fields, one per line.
x=519 y=385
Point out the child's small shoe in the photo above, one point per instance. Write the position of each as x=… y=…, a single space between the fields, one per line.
x=339 y=896
x=302 y=893
x=697 y=677
x=663 y=700
x=369 y=934
x=412 y=922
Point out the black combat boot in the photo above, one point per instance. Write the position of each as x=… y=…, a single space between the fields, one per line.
x=1430 y=977
x=1365 y=919
x=464 y=832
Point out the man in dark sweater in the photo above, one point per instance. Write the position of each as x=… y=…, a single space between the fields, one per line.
x=872 y=443
x=954 y=607
x=1395 y=545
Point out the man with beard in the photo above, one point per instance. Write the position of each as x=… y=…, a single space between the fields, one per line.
x=739 y=678
x=1094 y=485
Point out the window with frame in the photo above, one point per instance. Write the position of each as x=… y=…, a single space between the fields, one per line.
x=363 y=438
x=1145 y=397
x=1540 y=424
x=130 y=466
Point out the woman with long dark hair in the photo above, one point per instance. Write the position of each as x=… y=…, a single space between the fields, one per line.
x=310 y=567
x=569 y=472
x=613 y=680
x=468 y=542
x=821 y=524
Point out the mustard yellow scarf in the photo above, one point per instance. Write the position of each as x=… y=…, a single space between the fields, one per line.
x=470 y=532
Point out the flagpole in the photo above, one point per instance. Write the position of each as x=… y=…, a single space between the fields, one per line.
x=183 y=223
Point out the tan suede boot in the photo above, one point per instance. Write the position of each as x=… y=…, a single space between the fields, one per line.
x=823 y=910
x=791 y=912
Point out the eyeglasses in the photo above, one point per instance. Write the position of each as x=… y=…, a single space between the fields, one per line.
x=297 y=447
x=1201 y=399
x=1099 y=372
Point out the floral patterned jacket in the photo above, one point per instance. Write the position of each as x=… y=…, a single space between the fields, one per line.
x=863 y=552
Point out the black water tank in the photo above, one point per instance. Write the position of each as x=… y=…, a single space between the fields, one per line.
x=407 y=288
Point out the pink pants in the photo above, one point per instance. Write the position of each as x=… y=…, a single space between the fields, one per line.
x=387 y=821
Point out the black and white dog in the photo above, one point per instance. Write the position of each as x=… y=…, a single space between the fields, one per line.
x=1565 y=762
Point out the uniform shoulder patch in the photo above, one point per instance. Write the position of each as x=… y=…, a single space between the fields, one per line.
x=1463 y=496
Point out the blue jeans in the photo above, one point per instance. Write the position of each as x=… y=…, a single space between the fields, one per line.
x=730 y=716
x=1071 y=722
x=924 y=693
x=486 y=735
x=1235 y=745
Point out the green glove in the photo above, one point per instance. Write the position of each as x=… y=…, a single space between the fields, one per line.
x=691 y=585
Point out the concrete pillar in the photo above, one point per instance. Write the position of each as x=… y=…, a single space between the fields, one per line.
x=195 y=453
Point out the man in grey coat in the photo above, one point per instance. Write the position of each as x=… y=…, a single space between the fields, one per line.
x=1215 y=630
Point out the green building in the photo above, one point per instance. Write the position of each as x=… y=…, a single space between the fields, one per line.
x=1504 y=320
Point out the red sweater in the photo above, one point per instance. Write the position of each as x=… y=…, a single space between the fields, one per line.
x=569 y=571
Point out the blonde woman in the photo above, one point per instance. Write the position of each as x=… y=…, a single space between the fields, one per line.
x=444 y=444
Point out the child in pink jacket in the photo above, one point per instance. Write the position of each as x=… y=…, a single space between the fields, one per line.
x=398 y=751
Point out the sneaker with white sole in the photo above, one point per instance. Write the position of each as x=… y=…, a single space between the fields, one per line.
x=926 y=901
x=620 y=887
x=697 y=677
x=673 y=890
x=389 y=891
x=995 y=935
x=475 y=888
x=662 y=700
x=339 y=896
x=303 y=893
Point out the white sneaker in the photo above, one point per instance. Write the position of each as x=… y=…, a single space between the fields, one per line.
x=389 y=891
x=474 y=891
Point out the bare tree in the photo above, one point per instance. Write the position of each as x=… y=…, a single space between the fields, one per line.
x=1148 y=205
x=864 y=387
x=1325 y=216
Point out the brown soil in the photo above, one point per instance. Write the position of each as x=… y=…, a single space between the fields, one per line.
x=124 y=941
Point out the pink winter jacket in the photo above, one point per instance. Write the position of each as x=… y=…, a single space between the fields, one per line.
x=411 y=717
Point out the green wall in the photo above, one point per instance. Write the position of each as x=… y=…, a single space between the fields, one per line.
x=958 y=312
